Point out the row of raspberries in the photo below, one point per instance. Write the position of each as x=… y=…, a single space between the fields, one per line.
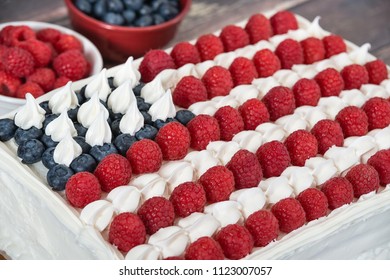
x=38 y=61
x=208 y=46
x=235 y=241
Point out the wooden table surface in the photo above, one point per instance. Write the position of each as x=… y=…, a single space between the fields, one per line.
x=359 y=21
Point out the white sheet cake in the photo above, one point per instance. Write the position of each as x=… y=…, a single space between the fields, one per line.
x=38 y=222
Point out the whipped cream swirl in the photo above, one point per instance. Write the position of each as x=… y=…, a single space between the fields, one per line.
x=30 y=114
x=121 y=98
x=132 y=121
x=99 y=132
x=152 y=91
x=90 y=110
x=163 y=108
x=66 y=150
x=61 y=127
x=63 y=100
x=99 y=85
x=127 y=73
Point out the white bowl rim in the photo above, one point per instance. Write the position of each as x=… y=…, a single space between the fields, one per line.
x=90 y=50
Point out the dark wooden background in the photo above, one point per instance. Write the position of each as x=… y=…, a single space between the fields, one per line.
x=359 y=21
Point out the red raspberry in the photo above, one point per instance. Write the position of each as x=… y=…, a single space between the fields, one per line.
x=381 y=162
x=313 y=50
x=377 y=110
x=333 y=44
x=17 y=34
x=233 y=37
x=174 y=141
x=113 y=171
x=243 y=71
x=266 y=63
x=273 y=157
x=49 y=35
x=301 y=145
x=156 y=212
x=4 y=33
x=144 y=156
x=203 y=129
x=353 y=121
x=2 y=50
x=230 y=122
x=187 y=198
x=377 y=71
x=330 y=82
x=289 y=213
x=8 y=84
x=60 y=81
x=18 y=62
x=314 y=202
x=246 y=169
x=188 y=91
x=279 y=102
x=29 y=87
x=218 y=81
x=45 y=77
x=283 y=21
x=71 y=64
x=354 y=76
x=205 y=248
x=40 y=51
x=82 y=189
x=126 y=231
x=235 y=240
x=209 y=46
x=253 y=113
x=67 y=42
x=339 y=191
x=290 y=53
x=183 y=53
x=364 y=179
x=263 y=226
x=328 y=133
x=218 y=183
x=258 y=28
x=306 y=92
x=153 y=63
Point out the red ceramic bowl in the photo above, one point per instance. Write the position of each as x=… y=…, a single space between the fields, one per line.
x=117 y=43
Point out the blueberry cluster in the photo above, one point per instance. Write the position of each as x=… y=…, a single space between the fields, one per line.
x=35 y=146
x=139 y=13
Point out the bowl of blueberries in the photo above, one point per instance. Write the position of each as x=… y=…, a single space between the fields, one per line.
x=123 y=28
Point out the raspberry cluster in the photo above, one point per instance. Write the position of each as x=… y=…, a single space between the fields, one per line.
x=38 y=61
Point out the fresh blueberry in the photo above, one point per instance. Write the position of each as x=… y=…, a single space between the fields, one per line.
x=111 y=83
x=85 y=147
x=157 y=19
x=174 y=3
x=48 y=119
x=113 y=18
x=167 y=11
x=7 y=129
x=184 y=116
x=115 y=116
x=81 y=95
x=141 y=104
x=72 y=114
x=160 y=123
x=133 y=4
x=145 y=10
x=22 y=135
x=58 y=175
x=84 y=6
x=143 y=21
x=45 y=106
x=83 y=162
x=115 y=6
x=123 y=142
x=48 y=141
x=81 y=130
x=129 y=16
x=48 y=158
x=137 y=89
x=156 y=4
x=147 y=117
x=147 y=132
x=31 y=151
x=100 y=152
x=99 y=9
x=115 y=127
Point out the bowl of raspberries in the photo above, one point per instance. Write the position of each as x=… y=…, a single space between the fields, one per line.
x=38 y=57
x=123 y=28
